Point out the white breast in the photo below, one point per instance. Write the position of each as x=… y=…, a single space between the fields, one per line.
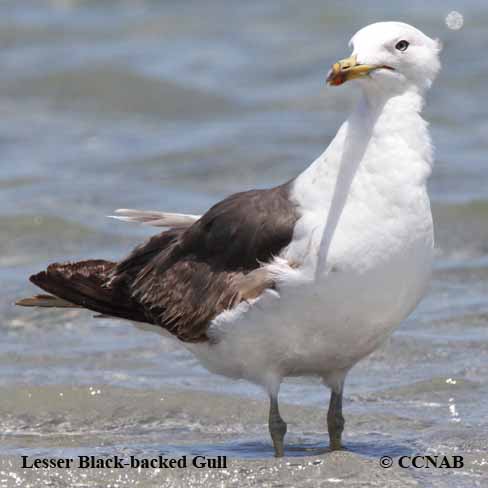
x=364 y=243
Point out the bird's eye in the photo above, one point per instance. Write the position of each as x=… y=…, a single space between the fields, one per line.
x=402 y=45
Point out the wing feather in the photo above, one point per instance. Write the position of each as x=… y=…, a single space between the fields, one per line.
x=217 y=262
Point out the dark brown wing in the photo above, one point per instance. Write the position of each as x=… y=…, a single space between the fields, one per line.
x=206 y=269
x=99 y=285
x=181 y=279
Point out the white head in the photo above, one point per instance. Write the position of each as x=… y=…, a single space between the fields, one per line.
x=390 y=55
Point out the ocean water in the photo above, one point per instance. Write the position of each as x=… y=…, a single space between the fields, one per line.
x=173 y=105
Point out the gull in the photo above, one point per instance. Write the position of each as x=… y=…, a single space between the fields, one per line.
x=305 y=278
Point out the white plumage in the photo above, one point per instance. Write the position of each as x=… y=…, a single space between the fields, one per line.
x=364 y=239
x=155 y=218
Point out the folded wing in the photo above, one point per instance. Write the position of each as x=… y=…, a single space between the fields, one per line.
x=183 y=278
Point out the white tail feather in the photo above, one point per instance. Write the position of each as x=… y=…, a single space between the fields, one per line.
x=155 y=218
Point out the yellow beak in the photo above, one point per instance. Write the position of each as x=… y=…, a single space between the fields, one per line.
x=348 y=69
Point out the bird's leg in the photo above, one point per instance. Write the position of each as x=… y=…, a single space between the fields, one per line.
x=335 y=420
x=277 y=426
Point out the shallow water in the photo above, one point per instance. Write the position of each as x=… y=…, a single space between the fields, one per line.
x=164 y=105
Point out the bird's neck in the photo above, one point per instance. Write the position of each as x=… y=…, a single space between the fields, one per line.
x=381 y=114
x=375 y=169
x=384 y=138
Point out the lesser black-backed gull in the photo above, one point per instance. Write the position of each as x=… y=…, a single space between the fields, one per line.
x=305 y=278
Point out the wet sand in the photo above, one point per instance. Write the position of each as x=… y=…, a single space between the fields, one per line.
x=335 y=469
x=68 y=422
